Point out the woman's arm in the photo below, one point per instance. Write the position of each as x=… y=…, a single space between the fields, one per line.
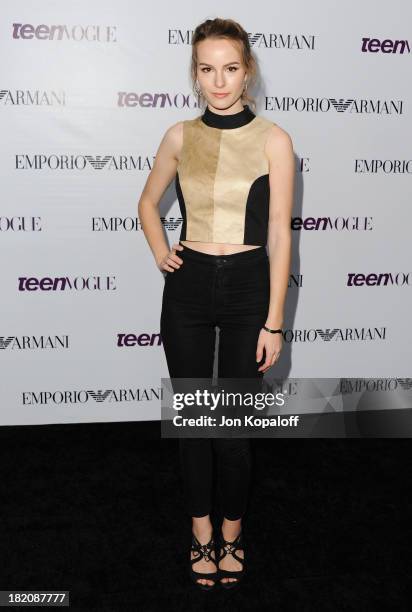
x=279 y=149
x=162 y=173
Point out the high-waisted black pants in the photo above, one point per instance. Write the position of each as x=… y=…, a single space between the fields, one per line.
x=231 y=292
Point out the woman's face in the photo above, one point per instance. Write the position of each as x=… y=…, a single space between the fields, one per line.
x=220 y=70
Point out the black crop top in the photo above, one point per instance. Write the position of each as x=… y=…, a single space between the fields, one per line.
x=222 y=178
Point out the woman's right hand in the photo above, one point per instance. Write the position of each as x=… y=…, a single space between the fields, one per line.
x=171 y=261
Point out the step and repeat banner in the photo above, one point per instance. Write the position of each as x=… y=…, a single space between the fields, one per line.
x=87 y=91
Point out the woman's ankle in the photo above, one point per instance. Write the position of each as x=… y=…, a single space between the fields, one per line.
x=231 y=529
x=202 y=527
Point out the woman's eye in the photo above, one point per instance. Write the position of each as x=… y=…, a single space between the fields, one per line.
x=231 y=69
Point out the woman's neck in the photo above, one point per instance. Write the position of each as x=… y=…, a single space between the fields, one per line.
x=228 y=121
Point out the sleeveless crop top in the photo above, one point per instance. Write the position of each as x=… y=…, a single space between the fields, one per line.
x=222 y=178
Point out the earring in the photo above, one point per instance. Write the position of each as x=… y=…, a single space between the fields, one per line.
x=197 y=89
x=245 y=87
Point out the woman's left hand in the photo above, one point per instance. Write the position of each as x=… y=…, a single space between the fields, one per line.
x=272 y=344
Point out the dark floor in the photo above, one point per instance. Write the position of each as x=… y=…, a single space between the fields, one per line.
x=96 y=509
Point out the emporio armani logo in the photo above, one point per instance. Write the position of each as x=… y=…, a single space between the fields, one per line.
x=337 y=334
x=98 y=162
x=328 y=334
x=34 y=342
x=274 y=40
x=70 y=397
x=341 y=105
x=32 y=97
x=172 y=223
x=100 y=395
x=62 y=161
x=316 y=104
x=253 y=38
x=405 y=383
x=5 y=341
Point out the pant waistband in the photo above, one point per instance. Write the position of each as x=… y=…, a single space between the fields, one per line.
x=250 y=255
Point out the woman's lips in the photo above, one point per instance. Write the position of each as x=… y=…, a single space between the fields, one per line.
x=220 y=95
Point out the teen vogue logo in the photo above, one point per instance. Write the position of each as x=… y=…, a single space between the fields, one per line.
x=20 y=224
x=156 y=100
x=65 y=283
x=374 y=45
x=78 y=33
x=143 y=339
x=378 y=279
x=315 y=224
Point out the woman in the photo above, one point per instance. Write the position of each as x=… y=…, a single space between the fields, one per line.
x=234 y=173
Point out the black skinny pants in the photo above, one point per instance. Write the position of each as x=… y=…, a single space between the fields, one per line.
x=231 y=292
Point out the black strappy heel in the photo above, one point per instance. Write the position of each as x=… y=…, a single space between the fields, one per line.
x=231 y=548
x=203 y=550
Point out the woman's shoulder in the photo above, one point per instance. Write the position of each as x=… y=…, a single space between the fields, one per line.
x=176 y=129
x=276 y=134
x=277 y=129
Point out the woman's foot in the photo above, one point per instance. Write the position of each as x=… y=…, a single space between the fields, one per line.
x=230 y=531
x=202 y=530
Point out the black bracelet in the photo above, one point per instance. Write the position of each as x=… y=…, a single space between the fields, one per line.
x=273 y=331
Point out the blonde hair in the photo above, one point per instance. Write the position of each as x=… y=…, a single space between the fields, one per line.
x=229 y=29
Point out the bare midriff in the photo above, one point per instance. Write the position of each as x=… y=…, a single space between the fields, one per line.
x=215 y=248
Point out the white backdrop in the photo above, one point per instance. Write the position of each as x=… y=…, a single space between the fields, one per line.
x=83 y=109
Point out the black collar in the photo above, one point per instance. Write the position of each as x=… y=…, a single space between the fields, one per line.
x=231 y=121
